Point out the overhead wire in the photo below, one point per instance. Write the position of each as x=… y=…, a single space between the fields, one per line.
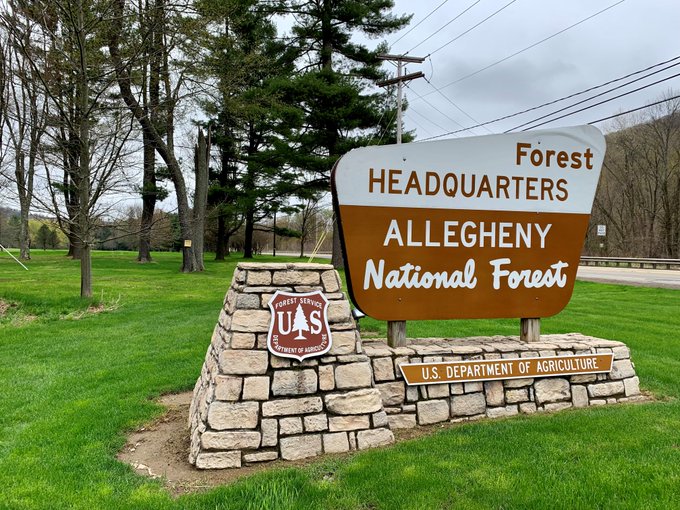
x=597 y=104
x=443 y=27
x=649 y=105
x=455 y=105
x=473 y=27
x=418 y=24
x=438 y=110
x=598 y=95
x=530 y=46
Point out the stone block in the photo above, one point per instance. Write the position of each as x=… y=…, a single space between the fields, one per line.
x=251 y=321
x=552 y=389
x=621 y=352
x=306 y=405
x=294 y=382
x=402 y=421
x=258 y=278
x=292 y=277
x=457 y=389
x=336 y=442
x=290 y=426
x=516 y=395
x=411 y=393
x=557 y=406
x=518 y=383
x=374 y=438
x=354 y=402
x=326 y=378
x=383 y=369
x=344 y=342
x=502 y=412
x=316 y=422
x=248 y=302
x=583 y=378
x=622 y=369
x=527 y=407
x=236 y=415
x=300 y=447
x=256 y=388
x=338 y=311
x=579 y=396
x=270 y=432
x=379 y=419
x=251 y=458
x=631 y=386
x=606 y=389
x=244 y=362
x=228 y=440
x=468 y=404
x=279 y=362
x=243 y=340
x=393 y=393
x=355 y=422
x=353 y=375
x=495 y=396
x=437 y=390
x=218 y=460
x=432 y=411
x=330 y=281
x=473 y=387
x=228 y=388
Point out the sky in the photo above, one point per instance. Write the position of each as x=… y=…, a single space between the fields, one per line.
x=628 y=37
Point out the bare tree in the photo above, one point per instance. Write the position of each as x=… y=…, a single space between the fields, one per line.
x=159 y=135
x=87 y=133
x=24 y=114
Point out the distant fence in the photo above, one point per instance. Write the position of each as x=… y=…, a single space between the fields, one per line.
x=631 y=262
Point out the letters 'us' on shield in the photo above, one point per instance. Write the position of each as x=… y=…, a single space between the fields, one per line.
x=299 y=325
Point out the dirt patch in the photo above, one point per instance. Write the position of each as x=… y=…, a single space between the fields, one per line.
x=161 y=450
x=4 y=306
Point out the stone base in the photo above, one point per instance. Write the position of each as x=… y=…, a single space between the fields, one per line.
x=251 y=406
x=408 y=406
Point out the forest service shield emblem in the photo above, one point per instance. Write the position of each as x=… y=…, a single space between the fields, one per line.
x=299 y=325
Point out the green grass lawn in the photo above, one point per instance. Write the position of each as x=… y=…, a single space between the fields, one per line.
x=73 y=382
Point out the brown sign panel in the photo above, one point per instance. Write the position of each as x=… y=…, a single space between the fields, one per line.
x=299 y=325
x=498 y=369
x=483 y=227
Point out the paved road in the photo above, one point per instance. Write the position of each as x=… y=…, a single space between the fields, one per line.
x=629 y=276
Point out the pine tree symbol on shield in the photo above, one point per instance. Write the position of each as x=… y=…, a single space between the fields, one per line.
x=300 y=323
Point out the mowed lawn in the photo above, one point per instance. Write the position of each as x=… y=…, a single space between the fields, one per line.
x=74 y=381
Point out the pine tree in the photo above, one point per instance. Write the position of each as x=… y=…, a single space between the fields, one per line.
x=300 y=323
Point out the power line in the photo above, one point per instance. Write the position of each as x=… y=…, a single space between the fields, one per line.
x=585 y=91
x=436 y=109
x=443 y=27
x=575 y=94
x=598 y=103
x=635 y=109
x=596 y=96
x=418 y=24
x=455 y=105
x=473 y=27
x=530 y=46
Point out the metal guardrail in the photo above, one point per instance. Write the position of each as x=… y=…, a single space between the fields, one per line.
x=631 y=262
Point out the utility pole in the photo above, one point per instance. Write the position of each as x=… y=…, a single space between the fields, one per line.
x=396 y=330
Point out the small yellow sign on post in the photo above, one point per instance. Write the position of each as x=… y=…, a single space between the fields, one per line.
x=498 y=369
x=187 y=243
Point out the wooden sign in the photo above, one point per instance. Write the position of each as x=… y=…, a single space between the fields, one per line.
x=498 y=369
x=299 y=325
x=481 y=227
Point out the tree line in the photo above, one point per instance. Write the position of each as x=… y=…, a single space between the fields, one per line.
x=638 y=197
x=209 y=98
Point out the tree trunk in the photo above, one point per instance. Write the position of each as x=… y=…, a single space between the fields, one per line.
x=337 y=259
x=221 y=248
x=148 y=201
x=248 y=235
x=24 y=206
x=201 y=161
